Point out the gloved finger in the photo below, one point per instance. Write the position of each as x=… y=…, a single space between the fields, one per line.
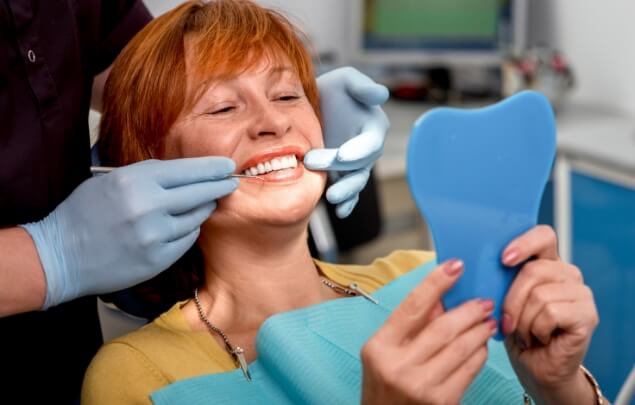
x=347 y=186
x=363 y=89
x=370 y=143
x=326 y=159
x=320 y=159
x=178 y=172
x=344 y=209
x=185 y=198
x=172 y=251
x=182 y=225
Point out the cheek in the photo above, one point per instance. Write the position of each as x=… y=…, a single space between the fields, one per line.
x=314 y=130
x=197 y=142
x=181 y=144
x=318 y=140
x=201 y=146
x=322 y=176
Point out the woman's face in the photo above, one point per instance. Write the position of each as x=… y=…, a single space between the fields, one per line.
x=262 y=120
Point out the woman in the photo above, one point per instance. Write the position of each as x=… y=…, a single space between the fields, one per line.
x=167 y=97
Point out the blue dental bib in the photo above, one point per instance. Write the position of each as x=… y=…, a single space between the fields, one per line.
x=311 y=356
x=478 y=176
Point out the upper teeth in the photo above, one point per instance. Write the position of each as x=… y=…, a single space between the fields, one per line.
x=279 y=163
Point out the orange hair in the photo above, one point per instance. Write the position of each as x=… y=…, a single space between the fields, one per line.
x=146 y=90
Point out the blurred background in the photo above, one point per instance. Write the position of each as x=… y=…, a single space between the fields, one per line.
x=470 y=53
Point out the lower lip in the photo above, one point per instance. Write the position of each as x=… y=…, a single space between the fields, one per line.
x=279 y=176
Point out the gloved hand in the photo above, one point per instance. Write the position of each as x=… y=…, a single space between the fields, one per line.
x=354 y=131
x=122 y=228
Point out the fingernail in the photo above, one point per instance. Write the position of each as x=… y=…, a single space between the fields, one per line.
x=508 y=326
x=492 y=324
x=510 y=257
x=453 y=267
x=488 y=306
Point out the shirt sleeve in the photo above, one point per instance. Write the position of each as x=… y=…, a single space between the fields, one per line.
x=109 y=377
x=119 y=21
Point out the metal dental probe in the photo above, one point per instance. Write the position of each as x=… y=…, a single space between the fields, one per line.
x=107 y=169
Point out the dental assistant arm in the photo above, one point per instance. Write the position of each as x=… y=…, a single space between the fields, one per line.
x=354 y=131
x=112 y=232
x=22 y=281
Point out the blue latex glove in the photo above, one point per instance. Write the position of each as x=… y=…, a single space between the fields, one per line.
x=354 y=131
x=122 y=228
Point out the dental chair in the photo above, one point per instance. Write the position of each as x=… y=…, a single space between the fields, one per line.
x=330 y=235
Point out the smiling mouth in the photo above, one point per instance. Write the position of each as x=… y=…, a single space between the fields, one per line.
x=280 y=163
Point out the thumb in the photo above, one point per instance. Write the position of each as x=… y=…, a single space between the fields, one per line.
x=363 y=89
x=368 y=143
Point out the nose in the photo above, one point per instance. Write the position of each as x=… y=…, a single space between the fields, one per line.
x=268 y=120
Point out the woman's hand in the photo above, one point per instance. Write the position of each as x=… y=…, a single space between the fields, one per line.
x=549 y=317
x=424 y=355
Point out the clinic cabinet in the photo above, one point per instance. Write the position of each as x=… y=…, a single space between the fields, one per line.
x=594 y=195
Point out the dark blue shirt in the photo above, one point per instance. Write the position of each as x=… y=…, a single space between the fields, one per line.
x=50 y=50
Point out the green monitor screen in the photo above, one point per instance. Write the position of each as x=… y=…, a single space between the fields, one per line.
x=429 y=28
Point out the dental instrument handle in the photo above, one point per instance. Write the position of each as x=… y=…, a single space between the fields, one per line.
x=107 y=169
x=246 y=176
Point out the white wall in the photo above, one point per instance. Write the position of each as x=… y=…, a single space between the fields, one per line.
x=598 y=39
x=326 y=22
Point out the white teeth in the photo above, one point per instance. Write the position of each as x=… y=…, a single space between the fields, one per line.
x=279 y=163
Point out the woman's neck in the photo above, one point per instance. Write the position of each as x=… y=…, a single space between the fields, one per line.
x=248 y=278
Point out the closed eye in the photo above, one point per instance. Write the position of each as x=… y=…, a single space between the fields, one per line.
x=222 y=110
x=288 y=97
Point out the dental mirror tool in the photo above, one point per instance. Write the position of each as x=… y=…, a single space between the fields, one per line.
x=95 y=170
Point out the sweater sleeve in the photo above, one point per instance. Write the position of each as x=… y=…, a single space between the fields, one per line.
x=120 y=374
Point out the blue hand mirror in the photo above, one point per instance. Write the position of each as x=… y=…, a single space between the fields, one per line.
x=477 y=176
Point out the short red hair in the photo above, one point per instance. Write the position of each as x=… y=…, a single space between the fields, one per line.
x=146 y=90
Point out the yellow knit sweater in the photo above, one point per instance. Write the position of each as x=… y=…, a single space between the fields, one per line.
x=128 y=369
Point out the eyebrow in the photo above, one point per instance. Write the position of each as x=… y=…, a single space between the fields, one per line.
x=276 y=72
x=279 y=70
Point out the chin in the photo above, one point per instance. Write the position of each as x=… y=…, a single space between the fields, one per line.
x=277 y=206
x=289 y=212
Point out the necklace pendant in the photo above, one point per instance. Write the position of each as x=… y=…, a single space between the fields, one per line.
x=239 y=355
x=360 y=291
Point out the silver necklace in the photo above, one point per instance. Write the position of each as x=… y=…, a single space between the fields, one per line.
x=353 y=289
x=237 y=352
